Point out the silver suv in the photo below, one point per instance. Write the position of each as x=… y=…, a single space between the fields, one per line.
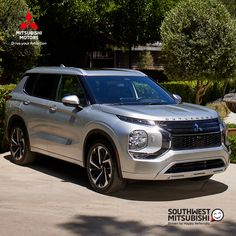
x=119 y=124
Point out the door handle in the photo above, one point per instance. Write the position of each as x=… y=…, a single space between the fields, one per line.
x=26 y=102
x=53 y=108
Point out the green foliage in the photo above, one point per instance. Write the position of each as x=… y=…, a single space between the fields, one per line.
x=73 y=28
x=17 y=59
x=4 y=90
x=232 y=141
x=183 y=88
x=199 y=43
x=231 y=6
x=1 y=50
x=11 y=13
x=231 y=125
x=146 y=60
x=187 y=90
x=136 y=22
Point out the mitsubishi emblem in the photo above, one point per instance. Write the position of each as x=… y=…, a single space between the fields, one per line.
x=197 y=128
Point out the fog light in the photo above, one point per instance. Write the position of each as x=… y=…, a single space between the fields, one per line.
x=138 y=139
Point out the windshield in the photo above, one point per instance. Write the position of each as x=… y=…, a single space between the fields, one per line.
x=127 y=90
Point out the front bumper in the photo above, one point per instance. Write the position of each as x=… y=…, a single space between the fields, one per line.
x=158 y=169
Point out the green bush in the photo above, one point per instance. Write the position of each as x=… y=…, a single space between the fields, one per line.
x=232 y=141
x=183 y=88
x=231 y=125
x=4 y=90
x=214 y=92
x=187 y=90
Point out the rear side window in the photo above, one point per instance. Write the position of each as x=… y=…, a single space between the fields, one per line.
x=43 y=86
x=30 y=83
x=46 y=86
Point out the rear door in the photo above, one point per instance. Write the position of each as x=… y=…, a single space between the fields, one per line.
x=39 y=91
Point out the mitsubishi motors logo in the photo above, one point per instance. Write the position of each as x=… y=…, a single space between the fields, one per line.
x=28 y=23
x=28 y=33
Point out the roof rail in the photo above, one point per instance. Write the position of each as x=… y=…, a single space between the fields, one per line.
x=124 y=69
x=79 y=69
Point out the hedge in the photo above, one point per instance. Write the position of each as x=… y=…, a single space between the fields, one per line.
x=232 y=141
x=4 y=90
x=186 y=89
x=183 y=88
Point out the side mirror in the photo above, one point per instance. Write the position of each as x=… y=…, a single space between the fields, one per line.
x=177 y=98
x=71 y=100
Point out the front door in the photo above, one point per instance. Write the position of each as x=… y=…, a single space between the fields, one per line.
x=66 y=122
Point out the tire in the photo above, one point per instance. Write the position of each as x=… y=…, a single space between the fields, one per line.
x=201 y=178
x=102 y=168
x=19 y=146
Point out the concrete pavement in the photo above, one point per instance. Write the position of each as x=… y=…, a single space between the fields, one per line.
x=230 y=118
x=53 y=197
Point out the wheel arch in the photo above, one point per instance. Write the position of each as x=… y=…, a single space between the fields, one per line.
x=15 y=119
x=97 y=134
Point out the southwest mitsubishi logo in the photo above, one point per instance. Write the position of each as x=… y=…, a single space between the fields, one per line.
x=197 y=128
x=194 y=216
x=28 y=23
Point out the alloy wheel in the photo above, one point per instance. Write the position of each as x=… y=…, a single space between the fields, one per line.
x=17 y=144
x=100 y=166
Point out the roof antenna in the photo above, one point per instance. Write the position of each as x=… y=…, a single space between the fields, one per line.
x=61 y=65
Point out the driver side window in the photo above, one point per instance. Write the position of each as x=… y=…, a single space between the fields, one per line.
x=70 y=85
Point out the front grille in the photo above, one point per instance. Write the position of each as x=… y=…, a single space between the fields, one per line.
x=193 y=134
x=195 y=166
x=196 y=141
x=190 y=127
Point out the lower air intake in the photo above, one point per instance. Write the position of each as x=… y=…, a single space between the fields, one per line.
x=195 y=166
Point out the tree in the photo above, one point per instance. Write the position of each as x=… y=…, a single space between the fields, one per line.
x=231 y=6
x=73 y=28
x=1 y=50
x=135 y=22
x=15 y=59
x=199 y=43
x=146 y=60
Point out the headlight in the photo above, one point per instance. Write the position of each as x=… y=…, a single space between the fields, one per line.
x=136 y=120
x=223 y=130
x=138 y=139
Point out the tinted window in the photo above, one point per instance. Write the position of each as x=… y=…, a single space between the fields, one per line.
x=70 y=85
x=127 y=90
x=46 y=86
x=29 y=86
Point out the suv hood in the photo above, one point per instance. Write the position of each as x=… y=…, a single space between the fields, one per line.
x=184 y=111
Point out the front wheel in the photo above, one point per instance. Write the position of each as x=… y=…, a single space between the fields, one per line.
x=19 y=146
x=102 y=168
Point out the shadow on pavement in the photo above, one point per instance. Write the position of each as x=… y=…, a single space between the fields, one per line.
x=135 y=190
x=63 y=170
x=170 y=190
x=104 y=225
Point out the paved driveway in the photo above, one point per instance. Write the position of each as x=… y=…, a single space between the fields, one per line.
x=52 y=197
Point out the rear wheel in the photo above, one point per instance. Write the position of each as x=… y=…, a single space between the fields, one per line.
x=102 y=168
x=19 y=146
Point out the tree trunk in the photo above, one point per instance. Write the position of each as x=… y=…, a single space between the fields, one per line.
x=130 y=57
x=201 y=90
x=225 y=87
